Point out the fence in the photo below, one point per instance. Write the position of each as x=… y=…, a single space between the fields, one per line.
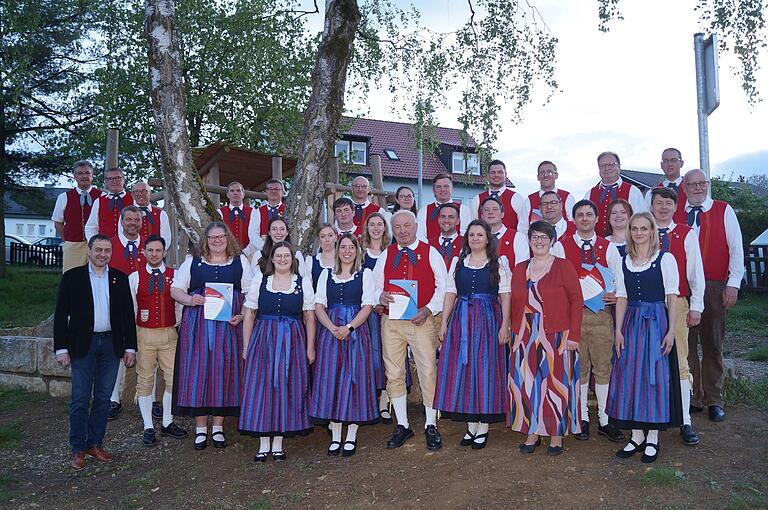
x=756 y=263
x=33 y=255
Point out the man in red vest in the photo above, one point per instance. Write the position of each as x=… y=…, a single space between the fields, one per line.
x=717 y=227
x=426 y=219
x=513 y=203
x=547 y=176
x=237 y=216
x=70 y=214
x=512 y=244
x=611 y=187
x=671 y=164
x=596 y=346
x=154 y=220
x=448 y=243
x=105 y=214
x=552 y=212
x=363 y=207
x=274 y=208
x=156 y=334
x=410 y=260
x=681 y=241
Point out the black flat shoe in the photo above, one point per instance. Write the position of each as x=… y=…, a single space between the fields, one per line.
x=261 y=457
x=647 y=459
x=689 y=435
x=173 y=431
x=157 y=410
x=278 y=456
x=467 y=441
x=554 y=451
x=200 y=445
x=399 y=437
x=530 y=448
x=115 y=408
x=625 y=454
x=584 y=434
x=716 y=413
x=334 y=452
x=480 y=445
x=219 y=443
x=385 y=419
x=149 y=438
x=348 y=452
x=434 y=441
x=611 y=433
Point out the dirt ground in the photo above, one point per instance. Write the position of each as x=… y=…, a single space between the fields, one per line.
x=729 y=469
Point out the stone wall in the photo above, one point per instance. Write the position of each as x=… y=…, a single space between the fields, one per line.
x=29 y=362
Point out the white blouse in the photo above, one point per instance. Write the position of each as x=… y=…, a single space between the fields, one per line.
x=321 y=297
x=505 y=275
x=299 y=258
x=183 y=274
x=252 y=299
x=668 y=272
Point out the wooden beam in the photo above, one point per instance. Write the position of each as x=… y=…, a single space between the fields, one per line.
x=277 y=168
x=378 y=179
x=212 y=178
x=111 y=159
x=221 y=190
x=203 y=171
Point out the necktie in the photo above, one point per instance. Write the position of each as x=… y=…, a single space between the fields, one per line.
x=130 y=250
x=85 y=197
x=272 y=212
x=447 y=248
x=610 y=188
x=694 y=215
x=554 y=229
x=115 y=202
x=434 y=212
x=664 y=239
x=358 y=212
x=498 y=234
x=586 y=244
x=494 y=194
x=672 y=185
x=399 y=256
x=148 y=215
x=235 y=214
x=156 y=282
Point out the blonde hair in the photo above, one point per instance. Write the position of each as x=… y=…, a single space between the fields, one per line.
x=358 y=258
x=653 y=242
x=233 y=247
x=365 y=238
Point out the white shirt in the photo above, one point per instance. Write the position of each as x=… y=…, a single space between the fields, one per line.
x=252 y=298
x=465 y=218
x=519 y=245
x=505 y=275
x=517 y=204
x=570 y=201
x=732 y=237
x=165 y=225
x=100 y=294
x=437 y=264
x=182 y=276
x=255 y=240
x=694 y=269
x=665 y=183
x=635 y=199
x=321 y=295
x=668 y=272
x=309 y=265
x=92 y=225
x=61 y=204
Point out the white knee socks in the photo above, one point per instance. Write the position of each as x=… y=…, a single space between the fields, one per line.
x=430 y=416
x=145 y=406
x=685 y=399
x=119 y=383
x=482 y=428
x=400 y=405
x=601 y=392
x=471 y=430
x=167 y=417
x=277 y=443
x=335 y=431
x=584 y=399
x=652 y=438
x=351 y=437
x=263 y=444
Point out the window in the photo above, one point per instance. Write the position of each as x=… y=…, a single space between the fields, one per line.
x=391 y=154
x=472 y=161
x=30 y=229
x=355 y=153
x=41 y=230
x=19 y=229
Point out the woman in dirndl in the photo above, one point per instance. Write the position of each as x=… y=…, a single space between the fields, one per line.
x=644 y=393
x=544 y=363
x=208 y=374
x=326 y=253
x=279 y=332
x=471 y=371
x=619 y=212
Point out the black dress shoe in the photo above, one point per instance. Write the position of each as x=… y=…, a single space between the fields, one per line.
x=115 y=408
x=200 y=445
x=689 y=435
x=530 y=448
x=480 y=441
x=279 y=456
x=157 y=410
x=647 y=459
x=334 y=452
x=584 y=434
x=554 y=451
x=625 y=454
x=434 y=441
x=716 y=413
x=219 y=443
x=348 y=452
x=173 y=431
x=695 y=409
x=400 y=436
x=385 y=418
x=149 y=438
x=260 y=457
x=611 y=433
x=467 y=441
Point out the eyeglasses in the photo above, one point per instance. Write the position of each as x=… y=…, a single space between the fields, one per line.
x=670 y=160
x=544 y=173
x=282 y=256
x=115 y=178
x=274 y=189
x=142 y=191
x=405 y=197
x=359 y=186
x=551 y=203
x=219 y=237
x=609 y=165
x=702 y=184
x=542 y=238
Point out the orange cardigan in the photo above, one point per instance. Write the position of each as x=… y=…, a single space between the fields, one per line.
x=560 y=293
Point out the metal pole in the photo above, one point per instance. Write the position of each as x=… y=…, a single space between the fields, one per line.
x=701 y=108
x=420 y=171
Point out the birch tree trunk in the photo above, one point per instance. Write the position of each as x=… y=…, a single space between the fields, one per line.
x=191 y=204
x=321 y=121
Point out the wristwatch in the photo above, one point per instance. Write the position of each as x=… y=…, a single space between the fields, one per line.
x=350 y=327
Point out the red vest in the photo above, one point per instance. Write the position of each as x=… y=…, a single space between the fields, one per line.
x=437 y=243
x=602 y=207
x=677 y=249
x=535 y=201
x=573 y=252
x=506 y=247
x=154 y=228
x=569 y=230
x=422 y=272
x=239 y=226
x=120 y=262
x=433 y=229
x=713 y=243
x=159 y=309
x=509 y=218
x=367 y=211
x=76 y=215
x=109 y=219
x=680 y=217
x=264 y=217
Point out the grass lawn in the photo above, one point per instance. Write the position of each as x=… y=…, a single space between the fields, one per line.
x=750 y=315
x=28 y=295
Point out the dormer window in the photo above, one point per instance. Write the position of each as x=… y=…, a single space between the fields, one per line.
x=351 y=152
x=465 y=163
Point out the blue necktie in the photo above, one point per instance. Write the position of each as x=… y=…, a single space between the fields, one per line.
x=434 y=212
x=494 y=194
x=148 y=215
x=672 y=185
x=85 y=197
x=130 y=250
x=447 y=248
x=234 y=214
x=587 y=245
x=664 y=239
x=611 y=188
x=272 y=212
x=358 y=213
x=554 y=229
x=115 y=202
x=399 y=256
x=694 y=215
x=156 y=282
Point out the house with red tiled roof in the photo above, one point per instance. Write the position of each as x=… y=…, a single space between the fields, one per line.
x=396 y=143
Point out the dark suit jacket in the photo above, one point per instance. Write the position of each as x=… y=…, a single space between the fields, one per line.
x=73 y=319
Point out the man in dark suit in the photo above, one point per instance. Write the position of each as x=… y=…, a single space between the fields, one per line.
x=93 y=330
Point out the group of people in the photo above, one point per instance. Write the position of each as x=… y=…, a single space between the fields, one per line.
x=511 y=307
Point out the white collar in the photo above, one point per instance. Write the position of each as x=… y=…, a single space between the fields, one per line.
x=561 y=226
x=500 y=191
x=94 y=274
x=370 y=254
x=124 y=240
x=412 y=246
x=706 y=205
x=677 y=181
x=232 y=206
x=83 y=192
x=340 y=231
x=109 y=194
x=579 y=239
x=501 y=232
x=364 y=204
x=669 y=227
x=450 y=201
x=618 y=183
x=542 y=191
x=273 y=206
x=161 y=268
x=451 y=237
